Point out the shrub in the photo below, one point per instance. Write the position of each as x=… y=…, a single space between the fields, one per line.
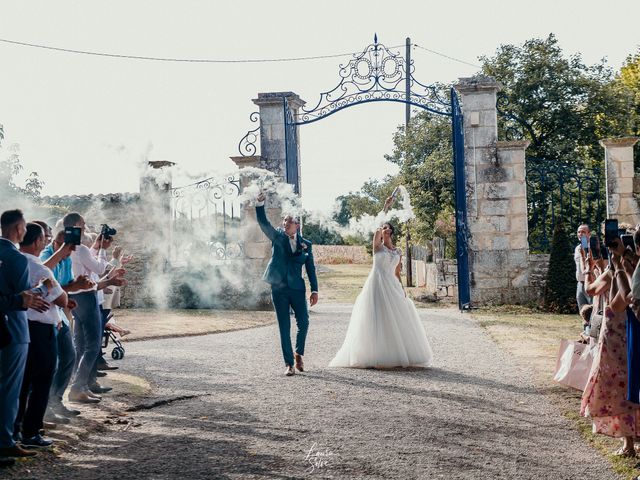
x=560 y=288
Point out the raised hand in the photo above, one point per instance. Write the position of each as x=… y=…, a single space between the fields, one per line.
x=387 y=203
x=67 y=248
x=82 y=282
x=261 y=197
x=117 y=252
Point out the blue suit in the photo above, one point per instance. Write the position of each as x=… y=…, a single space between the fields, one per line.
x=14 y=279
x=284 y=273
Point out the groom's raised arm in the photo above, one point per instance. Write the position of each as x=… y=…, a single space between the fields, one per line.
x=265 y=226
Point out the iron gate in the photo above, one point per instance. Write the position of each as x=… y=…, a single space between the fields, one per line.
x=204 y=217
x=379 y=75
x=561 y=190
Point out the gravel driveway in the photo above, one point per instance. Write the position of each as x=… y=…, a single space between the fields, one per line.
x=230 y=413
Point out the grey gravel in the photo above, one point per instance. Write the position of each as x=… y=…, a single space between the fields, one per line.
x=474 y=414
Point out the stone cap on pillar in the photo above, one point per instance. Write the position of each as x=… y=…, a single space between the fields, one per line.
x=248 y=161
x=477 y=83
x=619 y=142
x=273 y=98
x=160 y=163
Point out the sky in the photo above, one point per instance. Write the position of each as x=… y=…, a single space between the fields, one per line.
x=85 y=123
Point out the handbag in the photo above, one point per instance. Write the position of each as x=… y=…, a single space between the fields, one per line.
x=573 y=364
x=596 y=325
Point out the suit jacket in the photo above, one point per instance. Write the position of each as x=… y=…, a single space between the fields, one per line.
x=14 y=279
x=285 y=267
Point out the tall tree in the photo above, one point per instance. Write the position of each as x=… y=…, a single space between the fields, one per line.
x=565 y=106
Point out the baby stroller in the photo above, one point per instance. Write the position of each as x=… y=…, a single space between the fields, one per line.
x=118 y=350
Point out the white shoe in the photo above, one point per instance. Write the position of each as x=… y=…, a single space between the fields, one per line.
x=289 y=371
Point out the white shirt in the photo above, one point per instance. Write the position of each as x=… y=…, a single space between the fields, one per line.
x=37 y=272
x=85 y=261
x=578 y=259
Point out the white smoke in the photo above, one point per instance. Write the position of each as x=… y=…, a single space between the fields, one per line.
x=367 y=224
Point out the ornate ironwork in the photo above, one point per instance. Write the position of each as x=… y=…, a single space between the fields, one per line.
x=291 y=146
x=561 y=190
x=247 y=144
x=203 y=214
x=375 y=75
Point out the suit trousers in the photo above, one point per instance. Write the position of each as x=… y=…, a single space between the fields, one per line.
x=13 y=359
x=87 y=335
x=65 y=365
x=38 y=374
x=285 y=298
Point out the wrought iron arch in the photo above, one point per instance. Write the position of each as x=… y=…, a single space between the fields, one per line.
x=375 y=75
x=378 y=75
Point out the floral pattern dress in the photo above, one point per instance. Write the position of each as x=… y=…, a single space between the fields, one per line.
x=605 y=396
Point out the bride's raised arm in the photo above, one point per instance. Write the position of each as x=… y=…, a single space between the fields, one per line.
x=377 y=240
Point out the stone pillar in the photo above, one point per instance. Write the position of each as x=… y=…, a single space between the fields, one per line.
x=496 y=199
x=619 y=171
x=272 y=135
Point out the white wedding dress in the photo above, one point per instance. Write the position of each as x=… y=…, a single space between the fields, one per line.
x=385 y=329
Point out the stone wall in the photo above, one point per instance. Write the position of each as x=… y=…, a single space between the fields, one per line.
x=441 y=279
x=333 y=254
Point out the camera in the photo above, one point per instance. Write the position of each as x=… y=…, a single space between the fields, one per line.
x=107 y=232
x=72 y=235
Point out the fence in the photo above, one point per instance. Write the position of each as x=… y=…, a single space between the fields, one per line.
x=558 y=190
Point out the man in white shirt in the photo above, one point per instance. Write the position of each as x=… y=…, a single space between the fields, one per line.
x=581 y=296
x=87 y=329
x=43 y=349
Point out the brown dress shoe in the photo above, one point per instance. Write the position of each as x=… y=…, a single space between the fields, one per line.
x=82 y=397
x=289 y=371
x=16 y=451
x=299 y=362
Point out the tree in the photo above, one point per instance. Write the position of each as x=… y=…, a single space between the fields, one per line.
x=425 y=157
x=321 y=234
x=369 y=200
x=560 y=287
x=563 y=106
x=10 y=168
x=627 y=85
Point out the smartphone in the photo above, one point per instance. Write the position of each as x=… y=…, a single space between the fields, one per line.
x=627 y=241
x=584 y=243
x=72 y=235
x=395 y=192
x=610 y=230
x=594 y=246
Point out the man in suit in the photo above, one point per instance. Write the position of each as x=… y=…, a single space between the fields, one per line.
x=289 y=252
x=15 y=298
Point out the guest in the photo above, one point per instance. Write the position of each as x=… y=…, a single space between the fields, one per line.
x=581 y=296
x=43 y=352
x=56 y=256
x=87 y=328
x=15 y=298
x=605 y=399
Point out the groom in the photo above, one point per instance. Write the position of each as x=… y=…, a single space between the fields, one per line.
x=289 y=252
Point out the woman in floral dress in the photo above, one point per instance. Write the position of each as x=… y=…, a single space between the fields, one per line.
x=605 y=396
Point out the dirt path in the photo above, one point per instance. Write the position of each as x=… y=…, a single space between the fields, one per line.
x=222 y=409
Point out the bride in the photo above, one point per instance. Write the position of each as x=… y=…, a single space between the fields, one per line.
x=385 y=329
